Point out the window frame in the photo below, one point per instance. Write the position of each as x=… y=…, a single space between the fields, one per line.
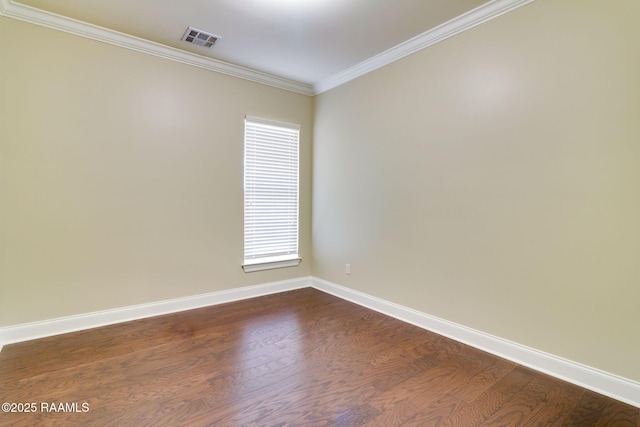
x=254 y=141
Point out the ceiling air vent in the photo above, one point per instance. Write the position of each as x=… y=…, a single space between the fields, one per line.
x=199 y=37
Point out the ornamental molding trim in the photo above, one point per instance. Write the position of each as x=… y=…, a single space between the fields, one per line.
x=464 y=22
x=54 y=21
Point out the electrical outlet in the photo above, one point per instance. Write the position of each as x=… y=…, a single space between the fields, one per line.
x=347 y=269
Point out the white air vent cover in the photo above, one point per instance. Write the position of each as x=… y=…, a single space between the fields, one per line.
x=199 y=37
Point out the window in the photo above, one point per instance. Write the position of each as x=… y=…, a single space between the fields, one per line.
x=270 y=194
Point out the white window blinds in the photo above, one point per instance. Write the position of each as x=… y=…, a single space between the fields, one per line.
x=270 y=192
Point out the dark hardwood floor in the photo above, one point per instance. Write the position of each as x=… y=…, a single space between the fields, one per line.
x=299 y=358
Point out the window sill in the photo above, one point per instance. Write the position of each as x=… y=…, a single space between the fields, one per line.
x=270 y=263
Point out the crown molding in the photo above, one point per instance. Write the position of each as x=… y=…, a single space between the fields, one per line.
x=54 y=21
x=450 y=28
x=442 y=32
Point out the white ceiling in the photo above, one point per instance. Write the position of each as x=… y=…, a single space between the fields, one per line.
x=307 y=46
x=303 y=40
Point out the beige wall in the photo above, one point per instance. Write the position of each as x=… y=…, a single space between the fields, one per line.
x=121 y=176
x=493 y=180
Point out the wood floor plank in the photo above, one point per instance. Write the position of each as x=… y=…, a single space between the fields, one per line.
x=298 y=358
x=588 y=410
x=485 y=379
x=441 y=380
x=476 y=412
x=439 y=412
x=473 y=414
x=561 y=400
x=617 y=414
x=400 y=413
x=524 y=405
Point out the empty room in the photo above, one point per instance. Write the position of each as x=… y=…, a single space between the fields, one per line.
x=320 y=212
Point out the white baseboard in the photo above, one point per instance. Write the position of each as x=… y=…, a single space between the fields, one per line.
x=47 y=328
x=616 y=387
x=611 y=385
